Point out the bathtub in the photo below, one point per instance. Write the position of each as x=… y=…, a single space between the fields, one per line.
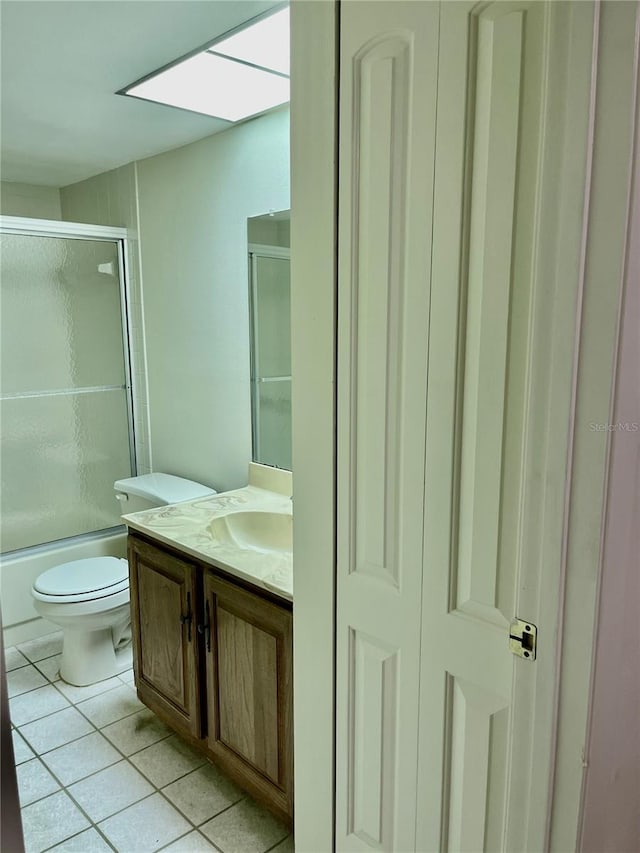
x=19 y=569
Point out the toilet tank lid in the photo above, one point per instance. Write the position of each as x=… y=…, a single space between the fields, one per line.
x=163 y=488
x=82 y=576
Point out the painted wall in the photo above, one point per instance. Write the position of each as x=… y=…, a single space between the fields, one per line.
x=605 y=254
x=611 y=815
x=29 y=200
x=194 y=203
x=186 y=212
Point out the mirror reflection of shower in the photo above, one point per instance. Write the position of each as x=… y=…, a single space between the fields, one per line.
x=270 y=326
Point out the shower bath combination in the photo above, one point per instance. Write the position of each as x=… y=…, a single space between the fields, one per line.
x=67 y=437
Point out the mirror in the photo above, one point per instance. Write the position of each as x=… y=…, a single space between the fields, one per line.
x=270 y=338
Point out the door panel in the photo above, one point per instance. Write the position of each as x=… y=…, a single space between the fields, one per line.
x=387 y=116
x=247 y=673
x=161 y=641
x=249 y=691
x=453 y=127
x=486 y=211
x=166 y=654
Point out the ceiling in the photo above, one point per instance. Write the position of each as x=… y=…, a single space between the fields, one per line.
x=63 y=60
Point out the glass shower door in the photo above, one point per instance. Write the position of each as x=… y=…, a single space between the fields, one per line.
x=271 y=359
x=64 y=388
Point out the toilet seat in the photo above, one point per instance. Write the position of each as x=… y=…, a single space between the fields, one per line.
x=83 y=580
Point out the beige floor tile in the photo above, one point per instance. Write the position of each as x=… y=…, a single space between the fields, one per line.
x=194 y=842
x=110 y=791
x=202 y=794
x=13 y=659
x=285 y=846
x=34 y=782
x=112 y=706
x=50 y=821
x=79 y=694
x=81 y=758
x=244 y=828
x=42 y=647
x=136 y=732
x=21 y=749
x=23 y=680
x=38 y=703
x=166 y=761
x=127 y=676
x=50 y=668
x=145 y=827
x=89 y=841
x=56 y=730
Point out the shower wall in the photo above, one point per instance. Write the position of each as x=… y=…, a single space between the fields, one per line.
x=29 y=200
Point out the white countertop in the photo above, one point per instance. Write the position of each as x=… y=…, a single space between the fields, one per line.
x=185 y=526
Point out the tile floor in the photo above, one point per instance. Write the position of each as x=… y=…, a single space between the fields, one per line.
x=97 y=771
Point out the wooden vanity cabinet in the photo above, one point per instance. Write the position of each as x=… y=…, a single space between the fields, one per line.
x=213 y=659
x=249 y=690
x=164 y=597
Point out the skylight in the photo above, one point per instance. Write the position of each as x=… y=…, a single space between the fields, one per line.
x=266 y=43
x=239 y=76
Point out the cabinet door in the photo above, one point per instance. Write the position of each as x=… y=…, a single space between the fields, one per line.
x=249 y=686
x=163 y=602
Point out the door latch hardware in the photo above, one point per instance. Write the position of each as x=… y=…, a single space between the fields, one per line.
x=523 y=639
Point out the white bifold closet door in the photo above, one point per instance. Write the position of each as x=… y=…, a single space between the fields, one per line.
x=449 y=137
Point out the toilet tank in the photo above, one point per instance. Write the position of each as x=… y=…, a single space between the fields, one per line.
x=153 y=490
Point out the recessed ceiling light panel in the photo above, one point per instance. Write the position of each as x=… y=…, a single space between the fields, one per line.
x=265 y=43
x=238 y=77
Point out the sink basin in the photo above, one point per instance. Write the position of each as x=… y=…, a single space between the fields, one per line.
x=255 y=531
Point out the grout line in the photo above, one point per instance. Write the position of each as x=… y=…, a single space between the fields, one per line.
x=124 y=757
x=273 y=847
x=222 y=811
x=78 y=707
x=44 y=796
x=47 y=751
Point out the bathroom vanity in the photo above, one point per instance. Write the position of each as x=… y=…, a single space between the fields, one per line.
x=212 y=630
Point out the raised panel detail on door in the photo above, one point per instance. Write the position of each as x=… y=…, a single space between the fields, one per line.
x=161 y=647
x=476 y=782
x=491 y=98
x=163 y=605
x=380 y=156
x=493 y=120
x=387 y=129
x=247 y=673
x=249 y=690
x=373 y=695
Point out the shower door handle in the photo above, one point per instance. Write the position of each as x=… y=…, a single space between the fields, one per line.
x=187 y=619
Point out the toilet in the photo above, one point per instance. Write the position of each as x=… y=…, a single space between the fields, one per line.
x=89 y=599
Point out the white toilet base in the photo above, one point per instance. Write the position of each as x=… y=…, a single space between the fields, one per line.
x=89 y=656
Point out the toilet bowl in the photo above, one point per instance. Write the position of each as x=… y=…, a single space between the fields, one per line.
x=89 y=599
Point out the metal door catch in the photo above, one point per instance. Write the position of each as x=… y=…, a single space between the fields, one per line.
x=523 y=639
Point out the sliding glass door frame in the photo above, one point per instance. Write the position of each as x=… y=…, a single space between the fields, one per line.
x=24 y=226
x=258 y=250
